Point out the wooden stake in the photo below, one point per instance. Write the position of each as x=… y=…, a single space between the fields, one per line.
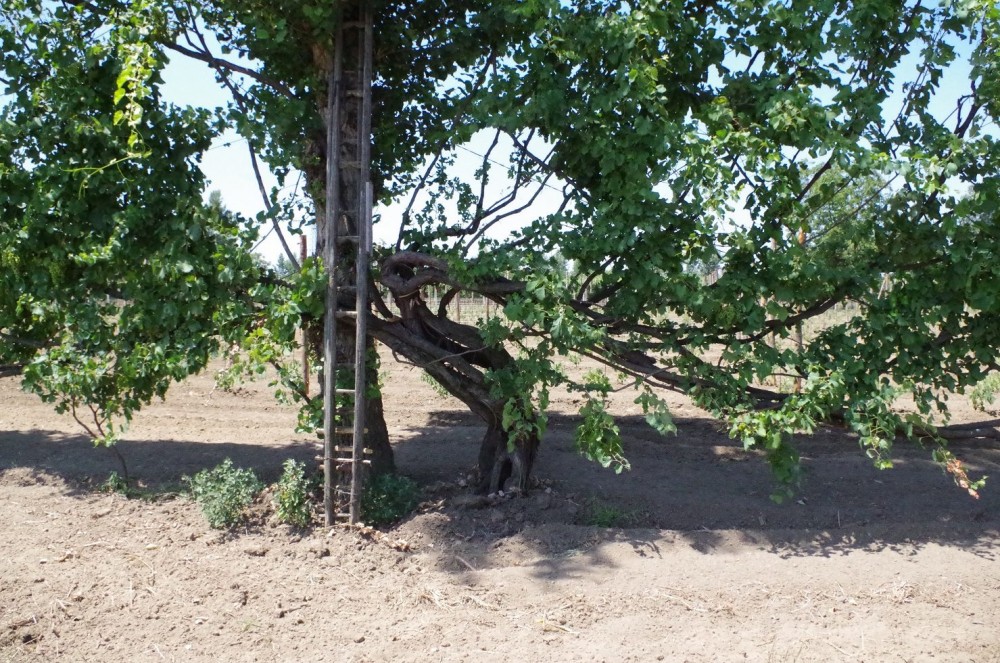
x=303 y=254
x=798 y=326
x=329 y=260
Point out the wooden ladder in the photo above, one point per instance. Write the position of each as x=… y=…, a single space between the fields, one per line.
x=346 y=232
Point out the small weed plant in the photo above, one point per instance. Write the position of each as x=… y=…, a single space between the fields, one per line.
x=292 y=494
x=224 y=492
x=600 y=514
x=387 y=498
x=986 y=393
x=115 y=484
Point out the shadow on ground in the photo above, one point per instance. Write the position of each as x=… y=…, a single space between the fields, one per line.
x=153 y=463
x=711 y=496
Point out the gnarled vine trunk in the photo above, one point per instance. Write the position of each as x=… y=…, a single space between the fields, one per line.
x=501 y=459
x=453 y=354
x=458 y=358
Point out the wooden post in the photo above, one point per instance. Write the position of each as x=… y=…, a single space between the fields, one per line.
x=360 y=346
x=303 y=254
x=798 y=325
x=329 y=260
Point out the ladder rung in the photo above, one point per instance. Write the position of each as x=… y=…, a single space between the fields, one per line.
x=357 y=94
x=345 y=430
x=344 y=392
x=346 y=239
x=342 y=461
x=351 y=164
x=347 y=314
x=339 y=449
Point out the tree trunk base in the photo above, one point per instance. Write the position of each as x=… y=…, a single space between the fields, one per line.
x=500 y=461
x=377 y=437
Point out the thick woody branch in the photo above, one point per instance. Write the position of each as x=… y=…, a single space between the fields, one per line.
x=269 y=206
x=979 y=430
x=220 y=64
x=404 y=273
x=23 y=342
x=450 y=369
x=10 y=370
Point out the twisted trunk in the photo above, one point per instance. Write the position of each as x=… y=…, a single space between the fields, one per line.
x=458 y=358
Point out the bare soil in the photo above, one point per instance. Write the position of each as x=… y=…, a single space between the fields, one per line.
x=699 y=564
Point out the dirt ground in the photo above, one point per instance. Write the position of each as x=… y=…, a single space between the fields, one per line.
x=702 y=566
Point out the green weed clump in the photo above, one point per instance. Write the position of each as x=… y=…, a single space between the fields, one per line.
x=115 y=484
x=224 y=493
x=388 y=498
x=986 y=392
x=292 y=495
x=601 y=514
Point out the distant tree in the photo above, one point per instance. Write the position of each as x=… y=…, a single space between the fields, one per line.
x=283 y=267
